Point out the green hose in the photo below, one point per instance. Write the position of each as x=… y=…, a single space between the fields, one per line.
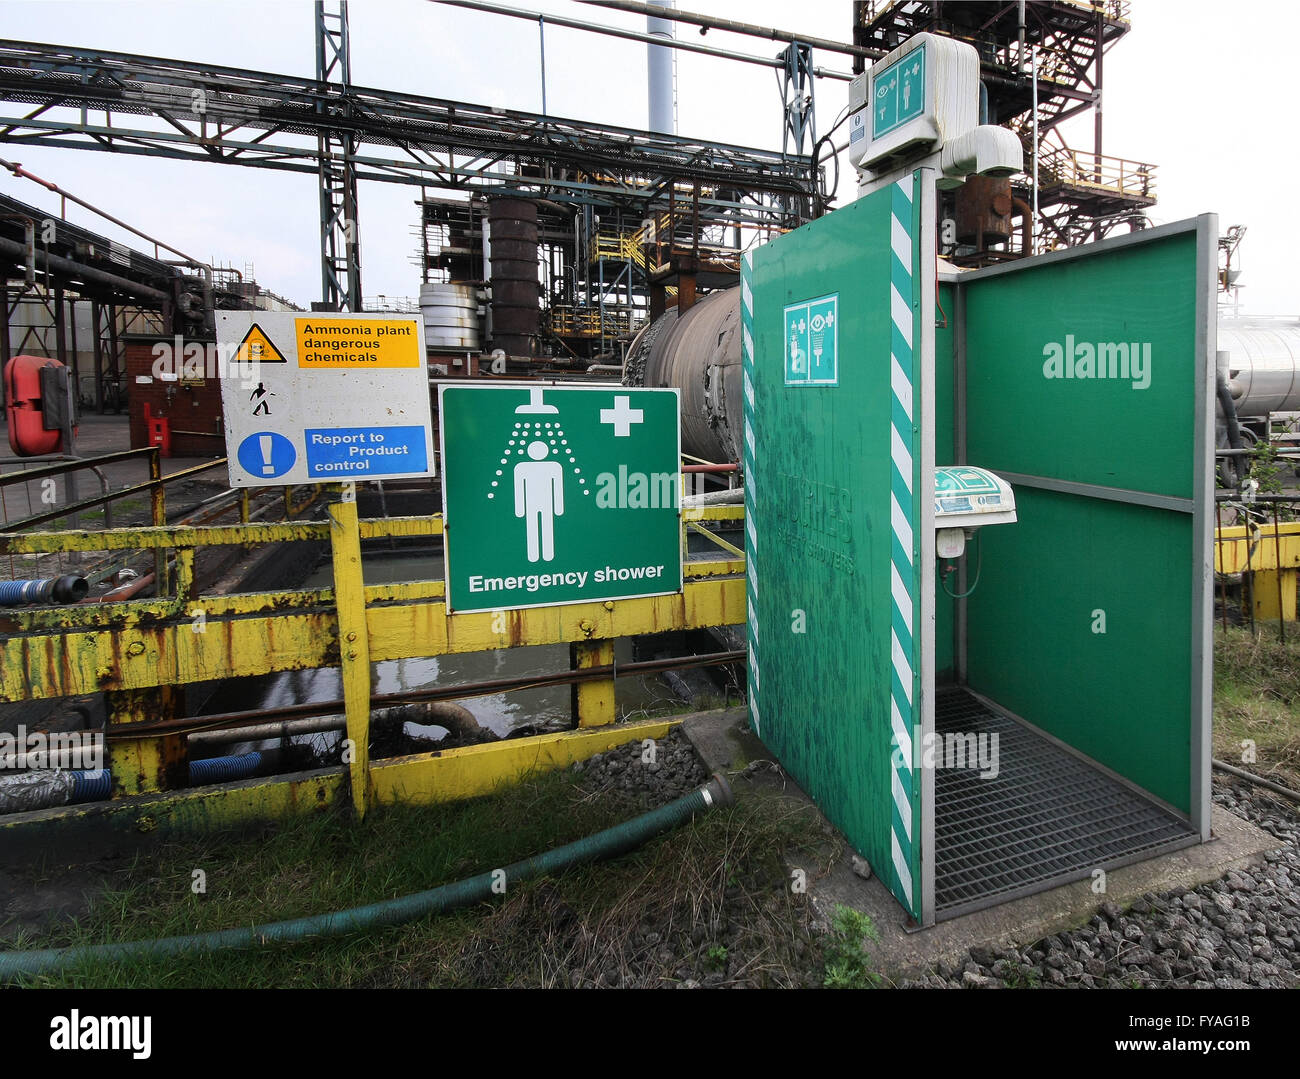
x=607 y=844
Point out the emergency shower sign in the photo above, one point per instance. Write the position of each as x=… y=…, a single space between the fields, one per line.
x=559 y=494
x=811 y=337
x=310 y=398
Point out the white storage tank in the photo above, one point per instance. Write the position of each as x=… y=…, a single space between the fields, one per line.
x=451 y=321
x=1261 y=358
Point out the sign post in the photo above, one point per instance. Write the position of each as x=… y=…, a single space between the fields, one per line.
x=310 y=398
x=559 y=494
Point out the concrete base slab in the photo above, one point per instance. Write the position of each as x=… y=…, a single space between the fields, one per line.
x=725 y=744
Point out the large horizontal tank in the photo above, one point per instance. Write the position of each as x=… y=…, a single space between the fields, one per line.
x=1261 y=357
x=699 y=353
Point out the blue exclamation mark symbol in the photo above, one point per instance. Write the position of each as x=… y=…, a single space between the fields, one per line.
x=264 y=442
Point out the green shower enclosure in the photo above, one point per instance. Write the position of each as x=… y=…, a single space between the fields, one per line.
x=1076 y=641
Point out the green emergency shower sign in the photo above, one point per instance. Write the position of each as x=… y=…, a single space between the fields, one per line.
x=898 y=93
x=559 y=494
x=811 y=338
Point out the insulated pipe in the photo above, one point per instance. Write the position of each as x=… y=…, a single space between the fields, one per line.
x=607 y=844
x=66 y=589
x=224 y=720
x=86 y=273
x=458 y=719
x=28 y=791
x=697 y=352
x=733 y=497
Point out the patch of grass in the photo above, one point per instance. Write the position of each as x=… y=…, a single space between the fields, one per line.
x=847 y=964
x=1257 y=699
x=1019 y=976
x=589 y=925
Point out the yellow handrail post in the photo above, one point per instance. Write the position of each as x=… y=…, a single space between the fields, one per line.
x=354 y=641
x=593 y=701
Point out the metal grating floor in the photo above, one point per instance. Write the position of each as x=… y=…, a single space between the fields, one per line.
x=1047 y=819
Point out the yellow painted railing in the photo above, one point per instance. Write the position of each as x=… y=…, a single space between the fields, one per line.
x=1060 y=164
x=138 y=652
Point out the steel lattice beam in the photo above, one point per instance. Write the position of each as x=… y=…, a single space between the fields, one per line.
x=52 y=95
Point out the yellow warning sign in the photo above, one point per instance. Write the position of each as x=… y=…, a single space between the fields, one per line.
x=358 y=342
x=256 y=347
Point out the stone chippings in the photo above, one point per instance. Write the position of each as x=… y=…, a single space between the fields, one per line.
x=1235 y=933
x=674 y=771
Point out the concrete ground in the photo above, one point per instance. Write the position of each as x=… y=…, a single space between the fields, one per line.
x=98 y=435
x=724 y=741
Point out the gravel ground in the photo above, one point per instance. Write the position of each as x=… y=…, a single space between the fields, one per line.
x=673 y=771
x=1236 y=933
x=1239 y=932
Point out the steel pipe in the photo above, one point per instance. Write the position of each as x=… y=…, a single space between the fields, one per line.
x=633 y=35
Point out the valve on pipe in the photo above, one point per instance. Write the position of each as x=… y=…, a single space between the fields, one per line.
x=67 y=589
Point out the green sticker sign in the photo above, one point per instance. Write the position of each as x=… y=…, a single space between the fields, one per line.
x=898 y=93
x=811 y=338
x=559 y=494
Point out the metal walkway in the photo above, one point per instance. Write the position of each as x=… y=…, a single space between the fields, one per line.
x=1047 y=819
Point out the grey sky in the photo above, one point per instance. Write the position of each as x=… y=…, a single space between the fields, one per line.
x=1203 y=97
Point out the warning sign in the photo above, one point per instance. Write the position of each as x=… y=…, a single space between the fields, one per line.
x=256 y=347
x=325 y=397
x=358 y=342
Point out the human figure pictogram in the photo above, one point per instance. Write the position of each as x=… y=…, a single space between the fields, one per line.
x=539 y=499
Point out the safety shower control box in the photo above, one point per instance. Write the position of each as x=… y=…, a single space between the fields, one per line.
x=919 y=96
x=966 y=498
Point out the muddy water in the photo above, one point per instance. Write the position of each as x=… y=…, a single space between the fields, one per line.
x=502 y=712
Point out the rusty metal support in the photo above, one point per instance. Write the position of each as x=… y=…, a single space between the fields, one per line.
x=354 y=641
x=146 y=765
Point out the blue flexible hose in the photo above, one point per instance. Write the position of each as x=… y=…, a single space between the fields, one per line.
x=224 y=769
x=91 y=786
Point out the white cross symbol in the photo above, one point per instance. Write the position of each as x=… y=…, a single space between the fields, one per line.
x=622 y=416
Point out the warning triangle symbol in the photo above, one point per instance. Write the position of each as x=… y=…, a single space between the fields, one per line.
x=256 y=347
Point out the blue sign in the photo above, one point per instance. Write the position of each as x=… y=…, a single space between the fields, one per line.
x=898 y=93
x=267 y=454
x=359 y=452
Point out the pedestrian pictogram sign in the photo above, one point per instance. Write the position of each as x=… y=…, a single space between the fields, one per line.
x=559 y=494
x=310 y=398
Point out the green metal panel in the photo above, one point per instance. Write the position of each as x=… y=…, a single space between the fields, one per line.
x=1121 y=697
x=834 y=523
x=1113 y=431
x=1086 y=621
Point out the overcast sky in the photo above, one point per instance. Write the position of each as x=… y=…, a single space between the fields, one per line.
x=1207 y=98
